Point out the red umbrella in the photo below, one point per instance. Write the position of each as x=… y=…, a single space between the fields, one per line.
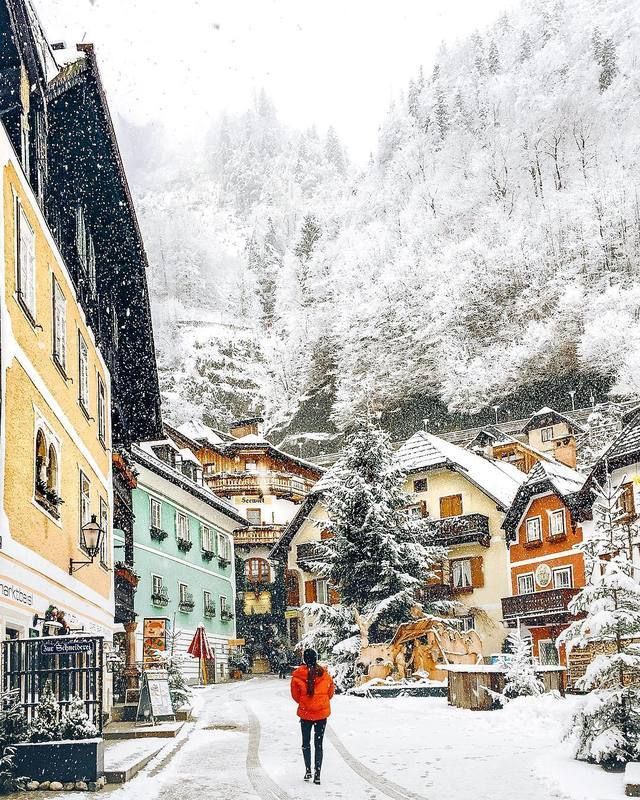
x=201 y=649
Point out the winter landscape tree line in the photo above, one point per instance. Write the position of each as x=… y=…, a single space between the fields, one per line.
x=489 y=243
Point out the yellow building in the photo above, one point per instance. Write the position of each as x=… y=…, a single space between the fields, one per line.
x=462 y=497
x=55 y=457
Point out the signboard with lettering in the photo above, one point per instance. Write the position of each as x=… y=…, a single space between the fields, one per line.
x=64 y=646
x=236 y=642
x=155 y=697
x=16 y=593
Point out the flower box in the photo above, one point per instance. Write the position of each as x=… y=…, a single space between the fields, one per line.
x=207 y=555
x=223 y=562
x=210 y=611
x=64 y=761
x=158 y=534
x=225 y=616
x=185 y=545
x=160 y=598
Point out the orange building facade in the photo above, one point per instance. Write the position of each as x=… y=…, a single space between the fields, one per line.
x=543 y=526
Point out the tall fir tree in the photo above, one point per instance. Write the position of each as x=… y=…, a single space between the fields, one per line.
x=377 y=556
x=607 y=725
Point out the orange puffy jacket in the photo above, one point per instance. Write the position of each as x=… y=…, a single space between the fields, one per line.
x=317 y=706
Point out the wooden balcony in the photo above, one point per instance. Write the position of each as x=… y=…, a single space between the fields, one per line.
x=125 y=582
x=549 y=606
x=229 y=484
x=258 y=534
x=435 y=592
x=461 y=529
x=308 y=555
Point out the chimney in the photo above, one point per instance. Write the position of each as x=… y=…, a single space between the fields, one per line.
x=565 y=451
x=246 y=427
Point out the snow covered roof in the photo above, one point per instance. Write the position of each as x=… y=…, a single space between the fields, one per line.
x=251 y=438
x=497 y=479
x=544 y=477
x=196 y=429
x=625 y=448
x=549 y=416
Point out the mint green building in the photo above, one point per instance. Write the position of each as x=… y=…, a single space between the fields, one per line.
x=183 y=554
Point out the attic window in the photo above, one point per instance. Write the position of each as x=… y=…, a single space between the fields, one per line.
x=165 y=453
x=546 y=434
x=189 y=469
x=420 y=485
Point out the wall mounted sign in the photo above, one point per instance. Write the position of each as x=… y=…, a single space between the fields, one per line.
x=543 y=575
x=63 y=646
x=17 y=593
x=154 y=637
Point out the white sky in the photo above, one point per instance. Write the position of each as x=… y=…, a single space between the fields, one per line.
x=323 y=62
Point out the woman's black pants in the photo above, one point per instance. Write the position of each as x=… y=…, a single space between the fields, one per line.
x=318 y=735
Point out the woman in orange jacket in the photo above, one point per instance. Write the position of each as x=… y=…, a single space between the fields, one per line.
x=312 y=688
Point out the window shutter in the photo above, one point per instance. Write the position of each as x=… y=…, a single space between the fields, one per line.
x=310 y=594
x=423 y=508
x=477 y=572
x=451 y=506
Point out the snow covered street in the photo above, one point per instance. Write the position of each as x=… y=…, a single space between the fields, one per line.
x=245 y=745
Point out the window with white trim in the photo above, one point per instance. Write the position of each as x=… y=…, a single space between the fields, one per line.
x=26 y=262
x=562 y=578
x=207 y=538
x=157 y=584
x=533 y=529
x=525 y=583
x=102 y=411
x=85 y=248
x=557 y=523
x=461 y=573
x=224 y=547
x=322 y=591
x=182 y=526
x=59 y=326
x=104 y=524
x=155 y=513
x=224 y=606
x=183 y=592
x=83 y=373
x=546 y=434
x=208 y=605
x=85 y=499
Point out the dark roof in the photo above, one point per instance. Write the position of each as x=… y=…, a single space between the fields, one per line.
x=178 y=479
x=624 y=450
x=548 y=477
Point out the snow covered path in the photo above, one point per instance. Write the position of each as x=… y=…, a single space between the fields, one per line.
x=245 y=746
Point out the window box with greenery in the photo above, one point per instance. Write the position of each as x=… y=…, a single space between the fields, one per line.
x=157 y=534
x=226 y=615
x=207 y=555
x=48 y=498
x=223 y=562
x=186 y=602
x=210 y=610
x=185 y=545
x=160 y=597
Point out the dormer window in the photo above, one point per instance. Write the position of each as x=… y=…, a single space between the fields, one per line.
x=546 y=434
x=165 y=453
x=189 y=469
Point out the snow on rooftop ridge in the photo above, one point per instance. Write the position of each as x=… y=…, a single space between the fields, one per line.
x=564 y=478
x=198 y=431
x=251 y=438
x=498 y=479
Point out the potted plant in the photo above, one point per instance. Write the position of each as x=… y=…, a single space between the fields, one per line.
x=207 y=555
x=185 y=545
x=158 y=534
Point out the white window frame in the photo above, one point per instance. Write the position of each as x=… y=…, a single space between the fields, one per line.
x=83 y=373
x=568 y=570
x=25 y=262
x=224 y=547
x=183 y=529
x=254 y=510
x=461 y=576
x=553 y=517
x=59 y=339
x=322 y=591
x=104 y=524
x=207 y=538
x=546 y=434
x=526 y=577
x=155 y=503
x=102 y=411
x=224 y=606
x=207 y=598
x=529 y=539
x=157 y=583
x=183 y=591
x=84 y=499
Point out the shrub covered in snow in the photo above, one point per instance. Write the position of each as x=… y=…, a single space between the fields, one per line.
x=520 y=678
x=75 y=721
x=46 y=726
x=606 y=729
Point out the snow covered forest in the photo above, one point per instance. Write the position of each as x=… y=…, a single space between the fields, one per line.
x=491 y=243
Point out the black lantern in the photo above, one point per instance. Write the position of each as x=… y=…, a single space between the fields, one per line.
x=90 y=540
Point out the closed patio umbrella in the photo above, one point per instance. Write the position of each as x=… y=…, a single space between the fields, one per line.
x=201 y=649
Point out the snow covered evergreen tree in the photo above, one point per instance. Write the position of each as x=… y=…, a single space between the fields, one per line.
x=377 y=556
x=520 y=678
x=607 y=726
x=75 y=721
x=46 y=725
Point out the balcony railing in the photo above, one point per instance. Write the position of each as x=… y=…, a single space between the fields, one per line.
x=309 y=555
x=462 y=529
x=249 y=483
x=258 y=534
x=435 y=592
x=538 y=604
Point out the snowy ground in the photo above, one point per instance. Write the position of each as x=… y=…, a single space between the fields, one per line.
x=244 y=746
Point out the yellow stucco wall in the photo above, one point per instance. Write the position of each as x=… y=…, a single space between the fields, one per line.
x=36 y=389
x=485 y=600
